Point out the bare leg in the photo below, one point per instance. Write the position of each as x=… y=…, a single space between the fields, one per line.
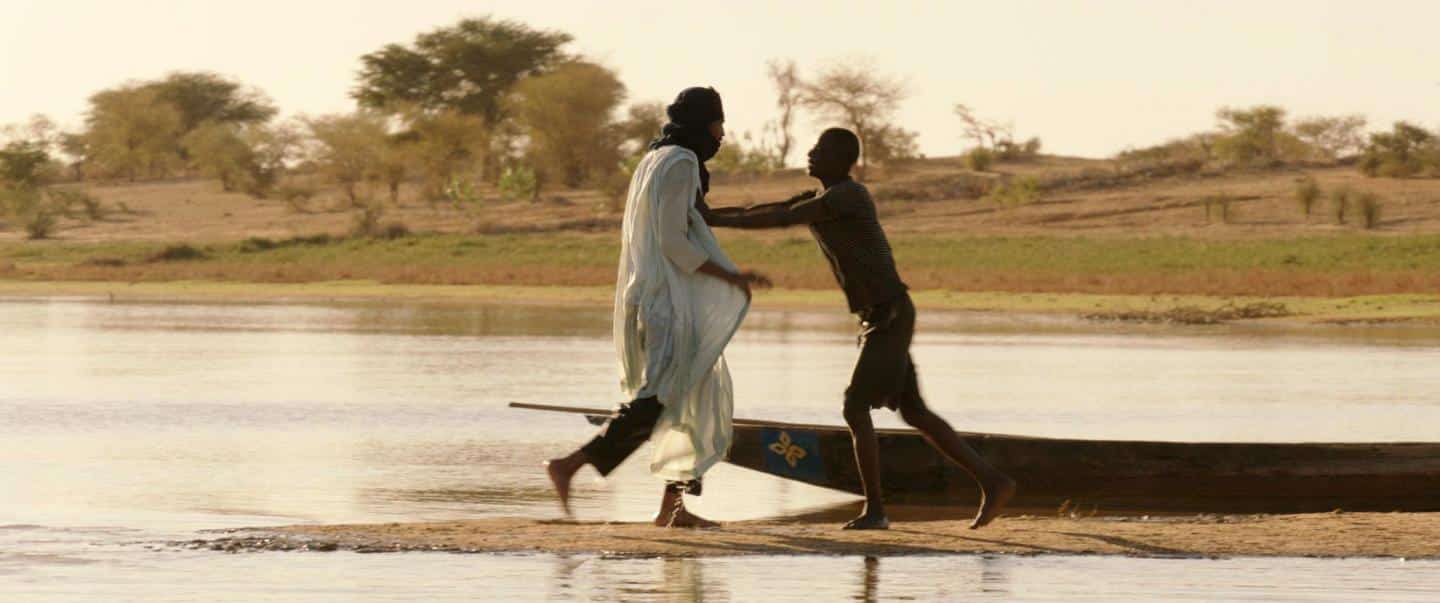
x=867 y=459
x=561 y=471
x=996 y=488
x=673 y=513
x=622 y=434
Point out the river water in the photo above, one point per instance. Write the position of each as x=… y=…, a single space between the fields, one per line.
x=125 y=425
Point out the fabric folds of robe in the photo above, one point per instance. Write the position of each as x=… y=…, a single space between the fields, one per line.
x=672 y=326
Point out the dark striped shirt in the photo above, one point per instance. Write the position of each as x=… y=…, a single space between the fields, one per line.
x=845 y=224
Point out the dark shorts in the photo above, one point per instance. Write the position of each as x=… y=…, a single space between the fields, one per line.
x=885 y=374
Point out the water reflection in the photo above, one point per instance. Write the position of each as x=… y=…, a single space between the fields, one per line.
x=160 y=419
x=869 y=580
x=983 y=578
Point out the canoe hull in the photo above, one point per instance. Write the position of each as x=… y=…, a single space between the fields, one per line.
x=1105 y=475
x=1096 y=475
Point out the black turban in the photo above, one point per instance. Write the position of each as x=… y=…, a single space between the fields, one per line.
x=690 y=117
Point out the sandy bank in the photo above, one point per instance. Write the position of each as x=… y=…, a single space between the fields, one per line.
x=1408 y=535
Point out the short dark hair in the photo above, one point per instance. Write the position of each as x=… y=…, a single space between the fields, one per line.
x=845 y=141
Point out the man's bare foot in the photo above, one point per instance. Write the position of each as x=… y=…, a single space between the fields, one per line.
x=868 y=521
x=562 y=471
x=683 y=518
x=673 y=513
x=993 y=498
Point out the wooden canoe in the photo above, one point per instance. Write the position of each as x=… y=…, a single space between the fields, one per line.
x=1104 y=475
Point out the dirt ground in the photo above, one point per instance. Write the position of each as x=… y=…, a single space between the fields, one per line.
x=932 y=195
x=1406 y=535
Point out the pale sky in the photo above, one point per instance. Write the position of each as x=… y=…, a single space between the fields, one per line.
x=1088 y=77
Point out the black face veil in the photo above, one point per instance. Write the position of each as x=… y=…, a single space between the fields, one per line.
x=690 y=117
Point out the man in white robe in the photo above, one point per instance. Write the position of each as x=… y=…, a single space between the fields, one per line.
x=678 y=301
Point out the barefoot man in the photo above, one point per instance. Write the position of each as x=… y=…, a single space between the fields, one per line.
x=678 y=300
x=844 y=221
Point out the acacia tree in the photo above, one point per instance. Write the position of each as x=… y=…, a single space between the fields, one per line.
x=468 y=67
x=1406 y=150
x=220 y=151
x=131 y=132
x=22 y=164
x=1332 y=137
x=857 y=96
x=76 y=147
x=244 y=157
x=347 y=148
x=788 y=87
x=443 y=146
x=202 y=97
x=1256 y=135
x=567 y=119
x=641 y=125
x=987 y=134
x=27 y=151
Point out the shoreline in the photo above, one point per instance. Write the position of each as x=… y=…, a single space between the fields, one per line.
x=1324 y=535
x=1369 y=309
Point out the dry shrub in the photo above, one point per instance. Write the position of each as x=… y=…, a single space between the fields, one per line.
x=1307 y=194
x=1016 y=192
x=394 y=230
x=366 y=221
x=261 y=244
x=1194 y=315
x=66 y=199
x=1176 y=157
x=1218 y=206
x=104 y=262
x=1370 y=209
x=980 y=159
x=178 y=253
x=36 y=212
x=296 y=196
x=1340 y=203
x=1009 y=150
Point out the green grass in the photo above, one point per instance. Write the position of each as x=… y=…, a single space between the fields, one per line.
x=1149 y=265
x=1026 y=253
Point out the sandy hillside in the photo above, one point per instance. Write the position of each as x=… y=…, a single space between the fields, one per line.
x=935 y=195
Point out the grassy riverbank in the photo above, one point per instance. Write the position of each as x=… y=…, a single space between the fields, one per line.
x=1342 y=265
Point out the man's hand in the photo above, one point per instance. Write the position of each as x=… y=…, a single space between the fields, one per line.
x=741 y=280
x=755 y=279
x=742 y=284
x=747 y=280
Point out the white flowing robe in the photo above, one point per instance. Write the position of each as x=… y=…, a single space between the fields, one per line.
x=672 y=325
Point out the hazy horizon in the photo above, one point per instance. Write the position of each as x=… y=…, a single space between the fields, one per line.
x=1088 y=79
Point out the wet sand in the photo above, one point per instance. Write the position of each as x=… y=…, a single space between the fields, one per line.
x=1407 y=535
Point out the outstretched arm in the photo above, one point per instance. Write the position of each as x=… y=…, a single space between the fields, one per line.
x=805 y=208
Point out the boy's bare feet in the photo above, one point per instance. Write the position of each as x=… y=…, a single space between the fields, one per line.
x=562 y=471
x=869 y=521
x=993 y=498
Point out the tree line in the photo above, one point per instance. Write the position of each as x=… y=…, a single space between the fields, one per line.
x=481 y=101
x=1265 y=136
x=496 y=102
